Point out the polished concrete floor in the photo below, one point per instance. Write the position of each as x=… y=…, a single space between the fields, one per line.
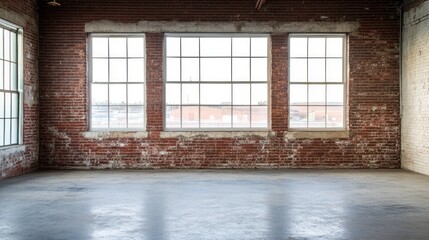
x=289 y=204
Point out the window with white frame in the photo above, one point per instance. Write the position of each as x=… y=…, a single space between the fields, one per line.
x=117 y=77
x=10 y=84
x=317 y=73
x=216 y=82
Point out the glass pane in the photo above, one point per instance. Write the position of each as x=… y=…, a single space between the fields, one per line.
x=136 y=70
x=118 y=70
x=215 y=117
x=298 y=70
x=99 y=117
x=259 y=94
x=190 y=116
x=334 y=70
x=173 y=69
x=135 y=47
x=219 y=94
x=241 y=117
x=13 y=48
x=241 y=69
x=241 y=94
x=316 y=70
x=190 y=94
x=6 y=45
x=316 y=94
x=190 y=70
x=135 y=94
x=259 y=69
x=8 y=105
x=259 y=47
x=2 y=105
x=1 y=73
x=99 y=94
x=172 y=93
x=15 y=109
x=173 y=46
x=7 y=131
x=118 y=116
x=117 y=47
x=316 y=47
x=298 y=94
x=100 y=47
x=298 y=117
x=118 y=94
x=135 y=116
x=259 y=117
x=219 y=46
x=334 y=47
x=335 y=117
x=14 y=133
x=241 y=47
x=316 y=117
x=215 y=69
x=13 y=77
x=335 y=94
x=1 y=48
x=298 y=47
x=172 y=116
x=190 y=47
x=100 y=70
x=1 y=129
x=6 y=75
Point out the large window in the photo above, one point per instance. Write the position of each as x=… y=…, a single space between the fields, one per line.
x=10 y=84
x=317 y=81
x=117 y=76
x=216 y=82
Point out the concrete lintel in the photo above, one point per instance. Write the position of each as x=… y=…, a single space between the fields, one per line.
x=322 y=135
x=14 y=17
x=205 y=134
x=7 y=151
x=114 y=134
x=108 y=26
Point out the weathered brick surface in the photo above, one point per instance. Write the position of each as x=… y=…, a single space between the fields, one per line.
x=18 y=160
x=373 y=109
x=415 y=89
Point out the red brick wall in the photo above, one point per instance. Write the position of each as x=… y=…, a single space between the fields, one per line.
x=373 y=96
x=12 y=161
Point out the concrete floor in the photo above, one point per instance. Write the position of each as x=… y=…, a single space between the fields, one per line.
x=290 y=204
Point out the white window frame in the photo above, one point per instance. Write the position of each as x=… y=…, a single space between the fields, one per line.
x=214 y=129
x=90 y=82
x=344 y=82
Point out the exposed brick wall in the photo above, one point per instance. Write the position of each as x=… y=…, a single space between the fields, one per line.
x=415 y=90
x=373 y=115
x=18 y=160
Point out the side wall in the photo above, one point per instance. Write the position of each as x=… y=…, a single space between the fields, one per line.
x=415 y=89
x=24 y=158
x=372 y=140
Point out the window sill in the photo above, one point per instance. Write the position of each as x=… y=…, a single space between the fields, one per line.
x=320 y=134
x=10 y=150
x=218 y=134
x=114 y=134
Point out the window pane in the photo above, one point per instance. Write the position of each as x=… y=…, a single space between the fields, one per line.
x=1 y=73
x=298 y=70
x=298 y=117
x=241 y=94
x=316 y=94
x=241 y=69
x=99 y=94
x=259 y=69
x=13 y=77
x=334 y=70
x=215 y=69
x=99 y=70
x=6 y=75
x=118 y=116
x=316 y=70
x=240 y=47
x=6 y=45
x=190 y=47
x=215 y=117
x=334 y=47
x=335 y=117
x=172 y=116
x=259 y=94
x=173 y=69
x=7 y=127
x=136 y=70
x=1 y=130
x=335 y=94
x=316 y=117
x=173 y=46
x=135 y=94
x=135 y=116
x=2 y=105
x=7 y=103
x=298 y=94
x=14 y=133
x=1 y=44
x=99 y=47
x=99 y=116
x=219 y=46
x=190 y=69
x=259 y=47
x=118 y=94
x=172 y=94
x=190 y=94
x=117 y=47
x=13 y=46
x=316 y=47
x=219 y=94
x=118 y=70
x=190 y=116
x=15 y=105
x=298 y=47
x=135 y=47
x=259 y=117
x=241 y=117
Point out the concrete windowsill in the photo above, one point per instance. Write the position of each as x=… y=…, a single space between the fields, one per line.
x=321 y=134
x=219 y=134
x=114 y=134
x=9 y=150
